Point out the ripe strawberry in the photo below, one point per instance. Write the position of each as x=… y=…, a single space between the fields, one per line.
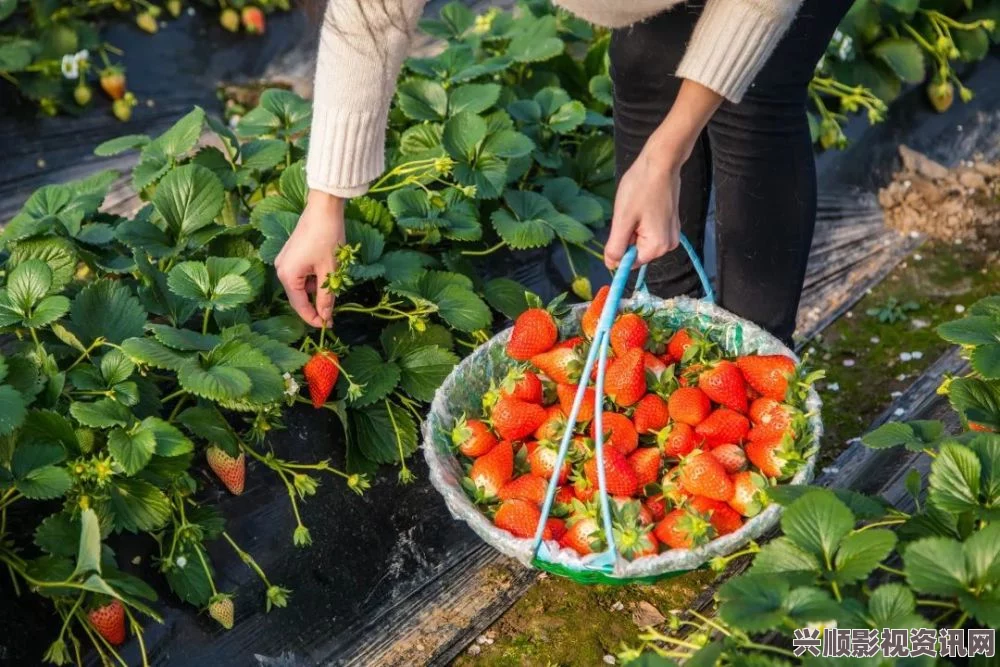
x=553 y=426
x=768 y=374
x=518 y=517
x=679 y=343
x=723 y=518
x=514 y=419
x=321 y=373
x=583 y=490
x=684 y=529
x=724 y=384
x=567 y=394
x=654 y=365
x=472 y=437
x=723 y=426
x=767 y=456
x=231 y=471
x=651 y=414
x=625 y=382
x=981 y=428
x=534 y=332
x=657 y=507
x=561 y=365
x=771 y=419
x=113 y=83
x=629 y=332
x=633 y=537
x=618 y=432
x=731 y=457
x=583 y=536
x=492 y=470
x=564 y=496
x=673 y=493
x=555 y=528
x=543 y=462
x=748 y=496
x=253 y=20
x=703 y=475
x=109 y=621
x=689 y=405
x=526 y=487
x=522 y=384
x=229 y=19
x=569 y=343
x=220 y=607
x=621 y=480
x=646 y=462
x=588 y=324
x=676 y=440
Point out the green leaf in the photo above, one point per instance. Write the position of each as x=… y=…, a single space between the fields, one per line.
x=906 y=7
x=118 y=145
x=32 y=456
x=455 y=19
x=137 y=506
x=169 y=441
x=473 y=98
x=211 y=381
x=47 y=311
x=986 y=361
x=753 y=603
x=116 y=367
x=954 y=479
x=58 y=534
x=366 y=367
x=12 y=410
x=567 y=197
x=462 y=134
x=206 y=422
x=262 y=154
x=568 y=117
x=487 y=173
x=936 y=565
x=151 y=353
x=58 y=253
x=182 y=135
x=46 y=427
x=189 y=581
x=382 y=430
x=88 y=557
x=44 y=483
x=893 y=606
x=534 y=39
x=971 y=330
x=106 y=308
x=506 y=295
x=810 y=605
x=891 y=434
x=183 y=339
x=132 y=451
x=903 y=56
x=461 y=308
x=508 y=144
x=523 y=226
x=860 y=553
x=188 y=198
x=972 y=45
x=600 y=87
x=28 y=283
x=398 y=339
x=782 y=556
x=976 y=400
x=817 y=522
x=420 y=99
x=982 y=556
x=102 y=413
x=424 y=369
x=403 y=266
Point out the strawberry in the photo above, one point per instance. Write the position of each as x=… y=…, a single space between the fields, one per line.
x=646 y=462
x=654 y=365
x=553 y=426
x=981 y=428
x=768 y=374
x=618 y=432
x=771 y=419
x=518 y=517
x=569 y=343
x=724 y=384
x=321 y=373
x=723 y=426
x=231 y=471
x=629 y=332
x=492 y=470
x=526 y=487
x=253 y=20
x=625 y=382
x=748 y=496
x=679 y=343
x=543 y=462
x=657 y=506
x=514 y=419
x=534 y=332
x=567 y=394
x=555 y=528
x=767 y=456
x=174 y=7
x=109 y=621
x=220 y=607
x=583 y=536
x=146 y=22
x=673 y=492
x=689 y=405
x=522 y=384
x=703 y=475
x=229 y=19
x=619 y=476
x=82 y=93
x=583 y=490
x=588 y=324
x=651 y=414
x=472 y=437
x=561 y=365
x=731 y=457
x=684 y=529
x=113 y=82
x=676 y=440
x=633 y=535
x=723 y=518
x=122 y=109
x=564 y=496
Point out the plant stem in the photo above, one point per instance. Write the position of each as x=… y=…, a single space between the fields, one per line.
x=204 y=321
x=487 y=251
x=86 y=353
x=247 y=558
x=772 y=649
x=176 y=394
x=204 y=566
x=884 y=522
x=891 y=570
x=177 y=408
x=937 y=603
x=69 y=616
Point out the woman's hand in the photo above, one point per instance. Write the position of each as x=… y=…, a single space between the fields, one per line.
x=309 y=256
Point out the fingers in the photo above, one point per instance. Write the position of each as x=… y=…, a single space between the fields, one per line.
x=298 y=298
x=621 y=236
x=324 y=297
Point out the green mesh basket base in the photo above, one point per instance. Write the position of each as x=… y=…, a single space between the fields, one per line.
x=592 y=577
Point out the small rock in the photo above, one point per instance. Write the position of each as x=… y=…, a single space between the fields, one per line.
x=617 y=606
x=959 y=308
x=610 y=659
x=475 y=649
x=136 y=560
x=918 y=323
x=40 y=163
x=917 y=355
x=875 y=340
x=921 y=164
x=899 y=412
x=972 y=180
x=190 y=11
x=645 y=615
x=848 y=363
x=901 y=377
x=895 y=394
x=421 y=648
x=480 y=639
x=849 y=314
x=905 y=356
x=917 y=257
x=831 y=470
x=833 y=386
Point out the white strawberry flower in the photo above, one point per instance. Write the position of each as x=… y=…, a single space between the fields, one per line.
x=181 y=561
x=70 y=67
x=82 y=56
x=291 y=386
x=822 y=625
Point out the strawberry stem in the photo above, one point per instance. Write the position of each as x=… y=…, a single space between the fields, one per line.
x=247 y=558
x=204 y=566
x=137 y=631
x=405 y=475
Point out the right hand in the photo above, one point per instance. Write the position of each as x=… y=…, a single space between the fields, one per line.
x=309 y=256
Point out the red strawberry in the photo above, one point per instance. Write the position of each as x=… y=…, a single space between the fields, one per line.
x=555 y=528
x=654 y=365
x=657 y=506
x=321 y=373
x=526 y=487
x=569 y=343
x=683 y=529
x=771 y=419
x=677 y=439
x=522 y=384
x=723 y=383
x=724 y=518
x=629 y=332
x=651 y=414
x=253 y=20
x=768 y=374
x=220 y=608
x=689 y=405
x=517 y=517
x=670 y=485
x=646 y=461
x=678 y=343
x=231 y=471
x=593 y=313
x=723 y=426
x=490 y=472
x=561 y=365
x=731 y=457
x=583 y=490
x=702 y=475
x=567 y=394
x=472 y=437
x=109 y=621
x=543 y=462
x=765 y=454
x=621 y=480
x=113 y=83
x=583 y=536
x=625 y=382
x=748 y=497
x=534 y=332
x=514 y=419
x=553 y=426
x=564 y=496
x=981 y=428
x=618 y=432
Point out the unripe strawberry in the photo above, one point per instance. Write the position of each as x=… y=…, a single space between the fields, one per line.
x=229 y=19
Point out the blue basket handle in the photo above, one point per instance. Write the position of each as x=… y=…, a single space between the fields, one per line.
x=699 y=268
x=598 y=353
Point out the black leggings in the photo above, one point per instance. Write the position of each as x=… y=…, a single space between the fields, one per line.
x=758 y=153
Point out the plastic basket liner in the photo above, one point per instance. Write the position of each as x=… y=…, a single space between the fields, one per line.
x=462 y=392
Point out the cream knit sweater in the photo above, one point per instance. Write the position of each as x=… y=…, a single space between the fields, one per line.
x=363 y=44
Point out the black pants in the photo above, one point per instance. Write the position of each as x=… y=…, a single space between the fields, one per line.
x=758 y=153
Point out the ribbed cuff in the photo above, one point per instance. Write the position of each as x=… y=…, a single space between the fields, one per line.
x=731 y=42
x=346 y=150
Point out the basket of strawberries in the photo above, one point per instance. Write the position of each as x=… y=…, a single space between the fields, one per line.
x=630 y=440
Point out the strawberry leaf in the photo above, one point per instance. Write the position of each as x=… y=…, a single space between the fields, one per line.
x=131 y=450
x=954 y=479
x=88 y=557
x=384 y=431
x=507 y=295
x=424 y=369
x=183 y=339
x=367 y=368
x=860 y=553
x=753 y=602
x=213 y=381
x=817 y=522
x=169 y=439
x=147 y=351
x=893 y=606
x=106 y=309
x=398 y=339
x=137 y=505
x=102 y=413
x=12 y=409
x=188 y=199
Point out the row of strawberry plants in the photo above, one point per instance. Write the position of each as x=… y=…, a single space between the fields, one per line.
x=851 y=563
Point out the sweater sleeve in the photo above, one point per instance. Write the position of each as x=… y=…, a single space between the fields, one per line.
x=361 y=50
x=731 y=42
